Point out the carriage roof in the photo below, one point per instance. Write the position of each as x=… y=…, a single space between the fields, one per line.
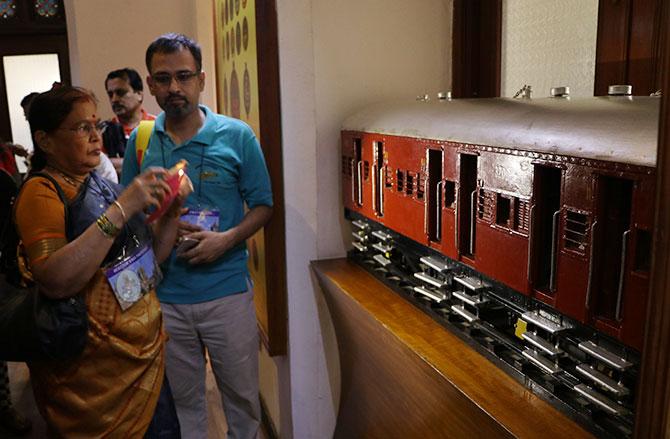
x=616 y=129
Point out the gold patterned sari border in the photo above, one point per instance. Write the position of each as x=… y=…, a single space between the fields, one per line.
x=44 y=247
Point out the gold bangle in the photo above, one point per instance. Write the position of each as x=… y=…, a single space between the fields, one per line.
x=123 y=212
x=107 y=227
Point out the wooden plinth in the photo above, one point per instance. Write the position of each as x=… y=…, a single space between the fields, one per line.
x=405 y=376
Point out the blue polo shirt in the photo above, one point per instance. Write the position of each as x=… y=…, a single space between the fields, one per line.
x=227 y=168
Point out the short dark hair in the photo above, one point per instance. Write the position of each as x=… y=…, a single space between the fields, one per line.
x=127 y=74
x=170 y=43
x=27 y=99
x=48 y=111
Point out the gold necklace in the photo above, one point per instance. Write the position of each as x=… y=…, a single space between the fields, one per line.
x=72 y=181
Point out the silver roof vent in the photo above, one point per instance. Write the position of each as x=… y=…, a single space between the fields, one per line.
x=444 y=96
x=620 y=90
x=560 y=92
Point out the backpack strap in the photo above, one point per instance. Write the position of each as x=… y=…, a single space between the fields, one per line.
x=144 y=130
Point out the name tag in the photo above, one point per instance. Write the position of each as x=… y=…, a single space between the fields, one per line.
x=134 y=276
x=207 y=219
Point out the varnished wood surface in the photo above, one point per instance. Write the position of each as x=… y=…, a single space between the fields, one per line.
x=405 y=376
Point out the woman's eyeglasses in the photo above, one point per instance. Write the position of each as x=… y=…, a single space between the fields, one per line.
x=165 y=79
x=85 y=129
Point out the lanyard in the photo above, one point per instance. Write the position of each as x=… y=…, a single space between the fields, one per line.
x=202 y=159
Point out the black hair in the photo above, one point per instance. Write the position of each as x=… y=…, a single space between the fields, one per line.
x=170 y=43
x=27 y=99
x=127 y=74
x=47 y=112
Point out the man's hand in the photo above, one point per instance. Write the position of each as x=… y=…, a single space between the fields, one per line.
x=212 y=246
x=186 y=228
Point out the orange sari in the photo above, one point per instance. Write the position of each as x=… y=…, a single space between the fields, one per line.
x=112 y=388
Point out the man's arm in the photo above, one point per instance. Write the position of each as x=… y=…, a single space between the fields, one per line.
x=213 y=245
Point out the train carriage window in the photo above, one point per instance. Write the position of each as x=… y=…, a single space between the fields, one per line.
x=400 y=181
x=449 y=194
x=366 y=170
x=576 y=231
x=521 y=215
x=389 y=177
x=347 y=163
x=409 y=187
x=503 y=209
x=420 y=183
x=486 y=205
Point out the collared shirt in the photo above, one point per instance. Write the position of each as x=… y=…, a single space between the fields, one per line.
x=127 y=129
x=227 y=168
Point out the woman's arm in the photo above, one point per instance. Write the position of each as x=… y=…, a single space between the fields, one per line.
x=67 y=271
x=166 y=228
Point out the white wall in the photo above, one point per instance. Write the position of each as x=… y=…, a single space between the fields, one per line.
x=108 y=35
x=334 y=58
x=549 y=43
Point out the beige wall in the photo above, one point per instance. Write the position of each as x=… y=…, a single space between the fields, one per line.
x=336 y=56
x=106 y=35
x=549 y=43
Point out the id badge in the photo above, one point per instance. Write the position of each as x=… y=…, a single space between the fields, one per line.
x=134 y=276
x=207 y=219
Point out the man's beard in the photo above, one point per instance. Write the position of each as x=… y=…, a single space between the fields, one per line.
x=119 y=110
x=179 y=107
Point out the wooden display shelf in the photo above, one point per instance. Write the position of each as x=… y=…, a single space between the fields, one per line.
x=405 y=376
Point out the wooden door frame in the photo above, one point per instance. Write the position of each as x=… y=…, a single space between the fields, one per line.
x=477 y=46
x=653 y=402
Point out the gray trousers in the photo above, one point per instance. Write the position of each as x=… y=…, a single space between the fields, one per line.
x=226 y=328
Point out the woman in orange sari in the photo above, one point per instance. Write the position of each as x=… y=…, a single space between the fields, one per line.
x=111 y=389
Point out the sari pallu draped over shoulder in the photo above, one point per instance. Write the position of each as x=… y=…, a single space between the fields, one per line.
x=111 y=389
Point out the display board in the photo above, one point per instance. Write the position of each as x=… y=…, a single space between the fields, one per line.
x=247 y=56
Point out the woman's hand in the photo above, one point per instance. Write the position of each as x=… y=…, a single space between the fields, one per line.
x=185 y=189
x=147 y=190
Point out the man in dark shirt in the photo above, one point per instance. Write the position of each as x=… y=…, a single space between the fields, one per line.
x=125 y=91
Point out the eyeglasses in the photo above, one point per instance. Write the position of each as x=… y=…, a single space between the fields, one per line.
x=165 y=79
x=85 y=129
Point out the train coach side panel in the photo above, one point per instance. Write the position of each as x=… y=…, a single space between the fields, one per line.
x=503 y=218
x=404 y=191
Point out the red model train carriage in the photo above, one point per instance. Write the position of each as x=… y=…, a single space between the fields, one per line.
x=552 y=198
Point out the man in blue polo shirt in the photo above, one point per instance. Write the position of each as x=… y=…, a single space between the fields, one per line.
x=206 y=294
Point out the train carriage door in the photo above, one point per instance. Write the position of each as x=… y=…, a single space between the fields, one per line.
x=379 y=177
x=545 y=213
x=434 y=191
x=467 y=203
x=611 y=241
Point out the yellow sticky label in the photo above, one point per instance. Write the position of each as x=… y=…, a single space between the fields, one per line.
x=520 y=328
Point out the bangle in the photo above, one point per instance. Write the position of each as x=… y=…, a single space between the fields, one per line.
x=107 y=227
x=123 y=212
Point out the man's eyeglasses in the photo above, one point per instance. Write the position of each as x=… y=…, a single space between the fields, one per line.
x=85 y=129
x=165 y=79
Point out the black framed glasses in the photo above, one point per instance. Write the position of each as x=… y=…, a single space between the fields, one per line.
x=165 y=79
x=85 y=129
